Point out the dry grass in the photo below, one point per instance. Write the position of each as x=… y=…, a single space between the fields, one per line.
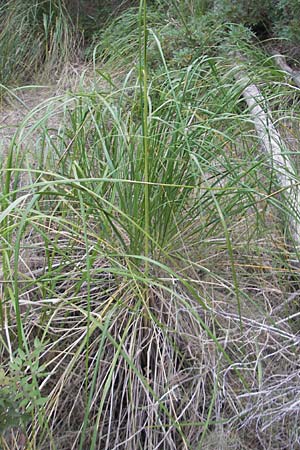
x=156 y=378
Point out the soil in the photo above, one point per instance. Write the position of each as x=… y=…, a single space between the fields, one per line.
x=13 y=110
x=19 y=102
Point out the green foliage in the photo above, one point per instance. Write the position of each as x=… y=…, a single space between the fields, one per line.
x=20 y=397
x=197 y=28
x=203 y=37
x=91 y=16
x=35 y=36
x=118 y=43
x=248 y=12
x=270 y=18
x=287 y=23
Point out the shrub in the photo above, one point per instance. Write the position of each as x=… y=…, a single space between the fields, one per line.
x=287 y=23
x=269 y=18
x=20 y=397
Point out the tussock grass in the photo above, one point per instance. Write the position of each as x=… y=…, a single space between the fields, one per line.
x=34 y=35
x=143 y=245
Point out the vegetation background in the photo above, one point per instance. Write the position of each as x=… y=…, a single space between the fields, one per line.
x=149 y=259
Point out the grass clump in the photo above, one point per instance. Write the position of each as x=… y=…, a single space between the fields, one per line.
x=35 y=36
x=135 y=342
x=144 y=255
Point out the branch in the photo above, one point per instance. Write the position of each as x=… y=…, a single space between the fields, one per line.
x=294 y=74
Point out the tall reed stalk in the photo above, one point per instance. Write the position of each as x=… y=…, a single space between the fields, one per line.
x=143 y=70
